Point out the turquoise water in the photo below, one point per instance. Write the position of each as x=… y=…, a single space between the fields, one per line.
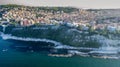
x=10 y=57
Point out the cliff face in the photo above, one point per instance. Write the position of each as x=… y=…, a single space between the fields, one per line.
x=63 y=34
x=66 y=35
x=1 y=28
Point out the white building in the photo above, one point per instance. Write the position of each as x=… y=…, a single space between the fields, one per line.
x=70 y=25
x=92 y=23
x=0 y=19
x=84 y=27
x=111 y=28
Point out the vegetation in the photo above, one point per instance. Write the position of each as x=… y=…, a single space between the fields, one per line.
x=63 y=34
x=1 y=28
x=11 y=6
x=9 y=29
x=53 y=9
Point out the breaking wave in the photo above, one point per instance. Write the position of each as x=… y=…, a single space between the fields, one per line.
x=109 y=48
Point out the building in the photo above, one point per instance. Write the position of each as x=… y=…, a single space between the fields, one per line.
x=111 y=28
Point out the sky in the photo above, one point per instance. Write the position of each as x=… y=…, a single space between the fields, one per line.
x=96 y=4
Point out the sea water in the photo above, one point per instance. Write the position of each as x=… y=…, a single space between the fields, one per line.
x=14 y=57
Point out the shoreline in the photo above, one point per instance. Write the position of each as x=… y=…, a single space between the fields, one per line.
x=58 y=45
x=71 y=50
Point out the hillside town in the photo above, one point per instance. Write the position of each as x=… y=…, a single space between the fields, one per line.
x=82 y=18
x=67 y=28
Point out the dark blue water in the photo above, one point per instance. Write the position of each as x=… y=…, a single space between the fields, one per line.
x=11 y=55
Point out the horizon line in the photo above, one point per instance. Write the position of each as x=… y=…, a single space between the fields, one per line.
x=57 y=6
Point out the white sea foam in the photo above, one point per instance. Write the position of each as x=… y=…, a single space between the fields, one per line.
x=78 y=53
x=8 y=36
x=58 y=45
x=104 y=52
x=108 y=49
x=106 y=41
x=109 y=46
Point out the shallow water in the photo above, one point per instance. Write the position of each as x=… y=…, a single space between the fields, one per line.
x=12 y=57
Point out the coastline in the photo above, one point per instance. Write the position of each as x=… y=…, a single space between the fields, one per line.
x=58 y=45
x=71 y=50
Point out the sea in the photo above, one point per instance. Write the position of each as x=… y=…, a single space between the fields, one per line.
x=35 y=54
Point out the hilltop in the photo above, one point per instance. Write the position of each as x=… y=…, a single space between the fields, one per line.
x=68 y=25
